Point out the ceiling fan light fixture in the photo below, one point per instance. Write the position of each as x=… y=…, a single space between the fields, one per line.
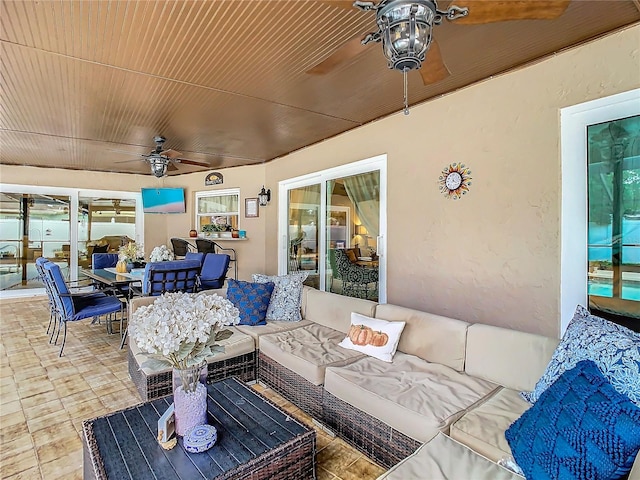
x=405 y=27
x=158 y=167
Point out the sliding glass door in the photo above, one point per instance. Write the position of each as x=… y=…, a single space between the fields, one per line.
x=334 y=226
x=61 y=224
x=613 y=167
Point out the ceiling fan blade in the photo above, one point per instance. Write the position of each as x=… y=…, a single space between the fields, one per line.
x=170 y=153
x=171 y=167
x=192 y=162
x=433 y=68
x=489 y=11
x=142 y=159
x=349 y=50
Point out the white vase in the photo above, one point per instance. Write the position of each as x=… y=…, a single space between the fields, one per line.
x=190 y=397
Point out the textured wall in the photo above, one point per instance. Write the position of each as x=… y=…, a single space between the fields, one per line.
x=493 y=256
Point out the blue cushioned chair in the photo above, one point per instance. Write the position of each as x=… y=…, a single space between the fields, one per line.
x=71 y=308
x=40 y=261
x=103 y=260
x=195 y=256
x=214 y=271
x=44 y=278
x=173 y=276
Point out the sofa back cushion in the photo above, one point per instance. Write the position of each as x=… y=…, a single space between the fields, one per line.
x=334 y=311
x=433 y=338
x=508 y=357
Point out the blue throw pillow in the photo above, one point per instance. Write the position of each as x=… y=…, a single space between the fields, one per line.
x=251 y=299
x=580 y=427
x=614 y=349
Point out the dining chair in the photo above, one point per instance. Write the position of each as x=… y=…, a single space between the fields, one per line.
x=195 y=256
x=214 y=271
x=40 y=261
x=180 y=247
x=103 y=260
x=205 y=245
x=71 y=308
x=171 y=276
x=356 y=278
x=49 y=289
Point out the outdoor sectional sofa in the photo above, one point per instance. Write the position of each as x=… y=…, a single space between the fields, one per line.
x=439 y=410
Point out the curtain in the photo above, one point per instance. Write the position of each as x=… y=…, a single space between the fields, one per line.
x=364 y=191
x=218 y=204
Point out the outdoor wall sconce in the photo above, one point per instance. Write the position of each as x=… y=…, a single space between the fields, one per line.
x=264 y=197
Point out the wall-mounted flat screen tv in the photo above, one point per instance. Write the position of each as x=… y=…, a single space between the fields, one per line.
x=163 y=200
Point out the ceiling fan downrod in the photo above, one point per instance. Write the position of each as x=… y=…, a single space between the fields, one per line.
x=406 y=92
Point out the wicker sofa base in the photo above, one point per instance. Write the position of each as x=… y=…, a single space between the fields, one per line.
x=374 y=438
x=302 y=393
x=159 y=385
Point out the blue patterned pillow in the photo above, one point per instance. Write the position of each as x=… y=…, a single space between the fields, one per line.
x=287 y=295
x=252 y=299
x=580 y=428
x=613 y=348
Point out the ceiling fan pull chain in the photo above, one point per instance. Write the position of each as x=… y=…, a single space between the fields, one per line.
x=406 y=89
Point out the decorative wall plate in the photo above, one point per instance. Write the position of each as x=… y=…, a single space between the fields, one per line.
x=455 y=180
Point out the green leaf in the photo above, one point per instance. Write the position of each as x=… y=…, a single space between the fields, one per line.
x=216 y=349
x=197 y=350
x=160 y=363
x=200 y=358
x=184 y=351
x=223 y=335
x=213 y=333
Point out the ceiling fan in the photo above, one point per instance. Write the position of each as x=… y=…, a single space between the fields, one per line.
x=163 y=160
x=405 y=30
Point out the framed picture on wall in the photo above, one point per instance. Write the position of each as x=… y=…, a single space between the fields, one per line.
x=251 y=207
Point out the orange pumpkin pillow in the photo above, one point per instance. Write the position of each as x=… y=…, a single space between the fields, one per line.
x=374 y=337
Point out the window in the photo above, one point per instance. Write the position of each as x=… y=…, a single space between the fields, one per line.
x=220 y=208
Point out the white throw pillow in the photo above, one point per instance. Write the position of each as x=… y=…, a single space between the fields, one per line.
x=374 y=337
x=286 y=298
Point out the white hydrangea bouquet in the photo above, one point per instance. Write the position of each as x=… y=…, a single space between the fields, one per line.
x=161 y=254
x=180 y=330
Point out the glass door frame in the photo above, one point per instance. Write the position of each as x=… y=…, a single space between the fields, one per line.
x=574 y=205
x=379 y=163
x=74 y=194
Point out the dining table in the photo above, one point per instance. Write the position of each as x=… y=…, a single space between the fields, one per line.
x=112 y=278
x=119 y=282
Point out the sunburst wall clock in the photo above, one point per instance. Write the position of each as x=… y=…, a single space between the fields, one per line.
x=455 y=180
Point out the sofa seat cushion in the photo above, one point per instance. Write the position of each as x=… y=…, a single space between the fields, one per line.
x=257 y=331
x=234 y=346
x=482 y=428
x=308 y=350
x=411 y=395
x=443 y=458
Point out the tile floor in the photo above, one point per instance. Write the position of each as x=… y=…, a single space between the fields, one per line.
x=44 y=398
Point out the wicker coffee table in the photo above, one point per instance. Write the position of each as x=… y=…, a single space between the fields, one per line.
x=256 y=440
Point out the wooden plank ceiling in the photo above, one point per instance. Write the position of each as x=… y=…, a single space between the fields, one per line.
x=88 y=84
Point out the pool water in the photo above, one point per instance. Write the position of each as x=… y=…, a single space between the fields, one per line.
x=629 y=292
